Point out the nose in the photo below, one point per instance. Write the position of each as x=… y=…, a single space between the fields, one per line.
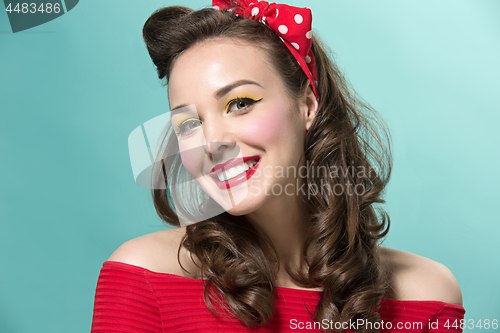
x=218 y=137
x=218 y=147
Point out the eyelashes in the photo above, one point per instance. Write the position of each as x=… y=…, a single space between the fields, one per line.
x=238 y=105
x=242 y=104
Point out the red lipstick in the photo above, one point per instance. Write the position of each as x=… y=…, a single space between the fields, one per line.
x=240 y=178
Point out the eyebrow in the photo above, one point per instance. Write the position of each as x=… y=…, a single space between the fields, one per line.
x=224 y=90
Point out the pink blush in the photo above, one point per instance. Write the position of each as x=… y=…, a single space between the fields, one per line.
x=266 y=127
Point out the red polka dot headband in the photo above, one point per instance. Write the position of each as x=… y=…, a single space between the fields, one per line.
x=292 y=24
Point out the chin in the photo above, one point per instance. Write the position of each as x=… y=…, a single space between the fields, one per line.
x=246 y=206
x=245 y=198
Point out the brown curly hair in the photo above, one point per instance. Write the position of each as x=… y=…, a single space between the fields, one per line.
x=237 y=260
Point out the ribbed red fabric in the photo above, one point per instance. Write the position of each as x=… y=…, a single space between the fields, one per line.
x=133 y=299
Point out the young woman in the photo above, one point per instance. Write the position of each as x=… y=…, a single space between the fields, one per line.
x=270 y=132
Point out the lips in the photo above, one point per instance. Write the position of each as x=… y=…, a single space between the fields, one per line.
x=235 y=171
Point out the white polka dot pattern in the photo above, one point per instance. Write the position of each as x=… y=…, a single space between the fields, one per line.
x=283 y=29
x=255 y=11
x=298 y=19
x=296 y=46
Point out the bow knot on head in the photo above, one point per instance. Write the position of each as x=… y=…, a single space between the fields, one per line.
x=292 y=24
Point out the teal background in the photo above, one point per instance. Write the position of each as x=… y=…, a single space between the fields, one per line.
x=73 y=89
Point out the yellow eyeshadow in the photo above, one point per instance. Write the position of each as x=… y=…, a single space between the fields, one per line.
x=178 y=124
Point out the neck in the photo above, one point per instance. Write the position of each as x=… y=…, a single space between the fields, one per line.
x=284 y=222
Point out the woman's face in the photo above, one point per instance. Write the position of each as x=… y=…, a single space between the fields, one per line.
x=237 y=129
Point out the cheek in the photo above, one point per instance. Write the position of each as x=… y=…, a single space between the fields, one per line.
x=190 y=160
x=192 y=156
x=270 y=128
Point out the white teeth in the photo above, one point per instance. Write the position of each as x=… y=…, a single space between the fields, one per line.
x=232 y=172
x=235 y=171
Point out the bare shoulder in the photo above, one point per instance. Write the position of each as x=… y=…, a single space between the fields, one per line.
x=413 y=277
x=156 y=252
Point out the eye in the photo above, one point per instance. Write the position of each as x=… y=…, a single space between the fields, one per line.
x=188 y=126
x=239 y=105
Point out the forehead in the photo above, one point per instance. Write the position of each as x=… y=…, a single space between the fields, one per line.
x=213 y=64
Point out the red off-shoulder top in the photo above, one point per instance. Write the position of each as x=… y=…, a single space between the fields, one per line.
x=132 y=299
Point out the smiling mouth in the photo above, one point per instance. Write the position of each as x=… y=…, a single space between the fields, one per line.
x=234 y=172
